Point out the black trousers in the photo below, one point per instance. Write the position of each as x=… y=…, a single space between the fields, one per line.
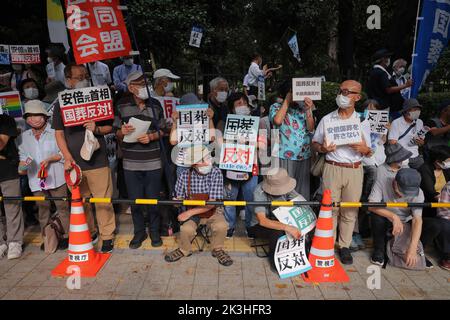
x=269 y=235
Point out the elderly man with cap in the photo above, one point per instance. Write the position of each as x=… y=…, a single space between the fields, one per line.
x=408 y=131
x=277 y=186
x=163 y=82
x=141 y=157
x=404 y=187
x=202 y=181
x=42 y=161
x=382 y=85
x=121 y=72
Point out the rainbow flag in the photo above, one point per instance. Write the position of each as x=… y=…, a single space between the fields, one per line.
x=10 y=104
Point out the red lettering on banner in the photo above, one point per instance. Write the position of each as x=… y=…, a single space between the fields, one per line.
x=80 y=114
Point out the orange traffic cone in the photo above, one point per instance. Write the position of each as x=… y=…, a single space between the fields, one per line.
x=325 y=268
x=81 y=250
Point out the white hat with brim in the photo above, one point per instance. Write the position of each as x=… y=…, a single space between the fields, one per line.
x=277 y=182
x=35 y=107
x=195 y=154
x=160 y=73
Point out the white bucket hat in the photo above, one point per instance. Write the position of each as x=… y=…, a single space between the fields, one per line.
x=33 y=107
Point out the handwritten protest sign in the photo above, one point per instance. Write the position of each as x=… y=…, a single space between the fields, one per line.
x=79 y=106
x=168 y=104
x=378 y=119
x=290 y=257
x=10 y=104
x=25 y=54
x=303 y=218
x=237 y=157
x=4 y=54
x=343 y=132
x=97 y=29
x=193 y=124
x=306 y=88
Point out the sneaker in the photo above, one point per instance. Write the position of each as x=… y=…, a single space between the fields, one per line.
x=346 y=256
x=108 y=246
x=359 y=241
x=94 y=238
x=137 y=240
x=3 y=250
x=14 y=250
x=156 y=239
x=444 y=264
x=250 y=235
x=230 y=233
x=377 y=258
x=428 y=264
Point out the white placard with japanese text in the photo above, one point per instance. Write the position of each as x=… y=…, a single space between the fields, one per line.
x=343 y=132
x=193 y=124
x=290 y=257
x=301 y=217
x=306 y=88
x=378 y=119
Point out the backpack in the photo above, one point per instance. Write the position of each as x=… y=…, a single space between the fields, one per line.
x=398 y=246
x=53 y=233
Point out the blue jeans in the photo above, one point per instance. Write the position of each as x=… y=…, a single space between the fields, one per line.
x=247 y=188
x=140 y=185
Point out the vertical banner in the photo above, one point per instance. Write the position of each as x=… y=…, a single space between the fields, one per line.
x=193 y=125
x=196 y=36
x=290 y=257
x=432 y=38
x=293 y=44
x=261 y=88
x=4 y=54
x=56 y=25
x=98 y=30
x=10 y=104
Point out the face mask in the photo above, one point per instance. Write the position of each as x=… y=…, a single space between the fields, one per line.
x=128 y=62
x=49 y=60
x=204 y=170
x=444 y=165
x=401 y=71
x=343 y=102
x=242 y=110
x=143 y=93
x=414 y=115
x=31 y=93
x=82 y=84
x=168 y=87
x=36 y=122
x=222 y=96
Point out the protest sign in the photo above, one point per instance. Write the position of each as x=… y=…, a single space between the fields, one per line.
x=290 y=257
x=25 y=54
x=168 y=104
x=98 y=30
x=10 y=104
x=378 y=119
x=303 y=218
x=293 y=44
x=237 y=157
x=306 y=88
x=343 y=132
x=4 y=54
x=193 y=124
x=238 y=128
x=196 y=36
x=421 y=134
x=79 y=106
x=261 y=88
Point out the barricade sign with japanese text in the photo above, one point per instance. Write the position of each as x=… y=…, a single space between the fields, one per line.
x=343 y=132
x=4 y=54
x=302 y=217
x=25 y=54
x=97 y=29
x=168 y=104
x=378 y=119
x=306 y=88
x=10 y=104
x=79 y=106
x=290 y=257
x=240 y=135
x=193 y=124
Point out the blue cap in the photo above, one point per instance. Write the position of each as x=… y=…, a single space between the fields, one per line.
x=408 y=181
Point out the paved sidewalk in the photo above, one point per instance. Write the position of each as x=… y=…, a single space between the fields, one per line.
x=143 y=274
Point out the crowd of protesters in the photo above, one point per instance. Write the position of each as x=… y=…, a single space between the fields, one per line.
x=400 y=166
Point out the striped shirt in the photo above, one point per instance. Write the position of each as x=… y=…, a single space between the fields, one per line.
x=138 y=156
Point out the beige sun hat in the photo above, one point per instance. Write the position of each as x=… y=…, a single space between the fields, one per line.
x=277 y=182
x=35 y=107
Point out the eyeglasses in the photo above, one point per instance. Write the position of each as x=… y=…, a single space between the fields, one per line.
x=346 y=92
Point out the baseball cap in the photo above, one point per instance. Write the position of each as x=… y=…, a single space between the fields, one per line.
x=164 y=73
x=408 y=181
x=133 y=76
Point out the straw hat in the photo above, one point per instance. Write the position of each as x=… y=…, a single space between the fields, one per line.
x=277 y=182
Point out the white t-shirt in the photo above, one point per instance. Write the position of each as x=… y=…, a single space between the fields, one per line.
x=253 y=73
x=56 y=72
x=399 y=127
x=343 y=154
x=100 y=73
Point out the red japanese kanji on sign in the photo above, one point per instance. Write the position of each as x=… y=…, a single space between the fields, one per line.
x=97 y=30
x=79 y=106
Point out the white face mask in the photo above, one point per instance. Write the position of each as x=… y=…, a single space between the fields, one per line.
x=128 y=62
x=204 y=170
x=444 y=165
x=82 y=84
x=414 y=115
x=168 y=87
x=143 y=93
x=343 y=102
x=31 y=93
x=222 y=96
x=400 y=71
x=242 y=110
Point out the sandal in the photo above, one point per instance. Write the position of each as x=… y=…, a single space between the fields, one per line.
x=175 y=255
x=223 y=257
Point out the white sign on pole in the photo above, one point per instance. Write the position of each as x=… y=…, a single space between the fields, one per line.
x=306 y=88
x=196 y=37
x=301 y=217
x=343 y=132
x=193 y=125
x=261 y=88
x=378 y=119
x=290 y=257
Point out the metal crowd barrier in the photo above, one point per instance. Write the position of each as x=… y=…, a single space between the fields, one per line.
x=197 y=203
